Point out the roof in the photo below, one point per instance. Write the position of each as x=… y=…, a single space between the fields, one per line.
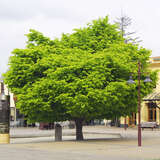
x=155 y=59
x=154 y=96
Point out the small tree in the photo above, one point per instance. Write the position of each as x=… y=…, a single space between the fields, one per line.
x=123 y=23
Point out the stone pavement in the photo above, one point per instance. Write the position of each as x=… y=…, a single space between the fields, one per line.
x=100 y=142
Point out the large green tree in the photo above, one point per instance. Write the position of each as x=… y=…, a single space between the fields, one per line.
x=80 y=77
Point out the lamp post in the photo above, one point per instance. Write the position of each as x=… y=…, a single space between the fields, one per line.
x=131 y=81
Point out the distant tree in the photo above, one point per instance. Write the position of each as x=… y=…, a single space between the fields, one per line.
x=124 y=22
x=80 y=77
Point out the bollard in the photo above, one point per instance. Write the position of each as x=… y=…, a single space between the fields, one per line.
x=58 y=132
x=4 y=139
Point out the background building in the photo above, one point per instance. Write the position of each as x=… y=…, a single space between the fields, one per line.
x=15 y=117
x=150 y=108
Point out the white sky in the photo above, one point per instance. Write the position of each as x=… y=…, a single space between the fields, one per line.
x=53 y=17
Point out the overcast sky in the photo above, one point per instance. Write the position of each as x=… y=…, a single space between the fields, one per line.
x=54 y=17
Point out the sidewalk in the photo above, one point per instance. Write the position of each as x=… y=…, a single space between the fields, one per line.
x=100 y=142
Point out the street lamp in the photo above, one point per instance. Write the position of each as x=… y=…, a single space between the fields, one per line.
x=131 y=81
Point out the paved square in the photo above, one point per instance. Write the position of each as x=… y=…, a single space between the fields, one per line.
x=103 y=143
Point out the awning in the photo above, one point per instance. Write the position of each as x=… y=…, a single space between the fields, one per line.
x=154 y=96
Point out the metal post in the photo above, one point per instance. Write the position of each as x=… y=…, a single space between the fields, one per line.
x=125 y=123
x=139 y=104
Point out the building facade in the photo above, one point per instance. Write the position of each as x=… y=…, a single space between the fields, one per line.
x=13 y=110
x=150 y=107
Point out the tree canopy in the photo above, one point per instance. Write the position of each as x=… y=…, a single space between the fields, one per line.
x=81 y=76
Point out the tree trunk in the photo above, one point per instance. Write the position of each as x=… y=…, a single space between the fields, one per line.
x=79 y=133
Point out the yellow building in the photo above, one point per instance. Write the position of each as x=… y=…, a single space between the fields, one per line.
x=150 y=107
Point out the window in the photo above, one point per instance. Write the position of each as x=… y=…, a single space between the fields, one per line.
x=151 y=112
